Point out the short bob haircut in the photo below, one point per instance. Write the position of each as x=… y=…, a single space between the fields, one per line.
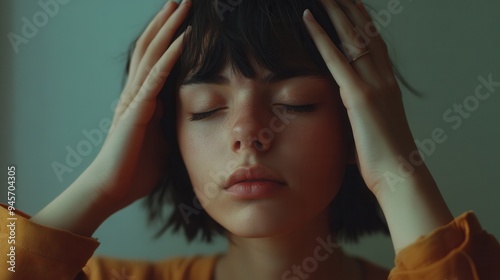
x=272 y=34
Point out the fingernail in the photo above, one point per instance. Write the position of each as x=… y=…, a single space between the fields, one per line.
x=166 y=4
x=308 y=15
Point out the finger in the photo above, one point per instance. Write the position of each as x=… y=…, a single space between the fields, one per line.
x=369 y=35
x=157 y=77
x=161 y=41
x=141 y=108
x=343 y=74
x=363 y=10
x=148 y=35
x=352 y=43
x=140 y=48
x=344 y=27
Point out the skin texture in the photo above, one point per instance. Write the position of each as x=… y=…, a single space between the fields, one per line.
x=221 y=143
x=270 y=235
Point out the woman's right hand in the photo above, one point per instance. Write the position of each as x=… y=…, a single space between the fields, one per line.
x=132 y=159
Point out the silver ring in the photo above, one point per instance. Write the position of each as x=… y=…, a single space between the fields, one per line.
x=359 y=56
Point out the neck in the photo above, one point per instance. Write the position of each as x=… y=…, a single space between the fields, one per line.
x=310 y=252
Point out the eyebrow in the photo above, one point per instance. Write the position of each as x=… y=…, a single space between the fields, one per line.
x=219 y=79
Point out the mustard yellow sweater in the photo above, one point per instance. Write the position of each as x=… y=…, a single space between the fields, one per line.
x=45 y=253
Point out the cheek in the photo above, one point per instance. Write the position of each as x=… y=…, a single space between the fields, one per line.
x=190 y=148
x=202 y=158
x=317 y=156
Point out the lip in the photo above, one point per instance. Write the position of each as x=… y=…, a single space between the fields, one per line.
x=253 y=182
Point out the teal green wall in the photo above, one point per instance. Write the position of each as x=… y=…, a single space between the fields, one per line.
x=65 y=79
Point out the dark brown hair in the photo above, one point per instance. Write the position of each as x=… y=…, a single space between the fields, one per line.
x=271 y=33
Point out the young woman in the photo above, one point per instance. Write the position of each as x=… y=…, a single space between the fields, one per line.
x=278 y=124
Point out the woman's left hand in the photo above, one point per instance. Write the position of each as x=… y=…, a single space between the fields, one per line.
x=369 y=91
x=383 y=140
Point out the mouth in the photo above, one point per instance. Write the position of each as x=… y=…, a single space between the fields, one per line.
x=253 y=183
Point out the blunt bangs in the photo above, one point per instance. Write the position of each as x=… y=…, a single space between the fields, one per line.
x=270 y=34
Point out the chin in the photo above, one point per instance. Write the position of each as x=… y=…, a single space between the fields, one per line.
x=258 y=220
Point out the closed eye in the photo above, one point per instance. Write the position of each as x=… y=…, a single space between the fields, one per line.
x=287 y=108
x=299 y=109
x=203 y=115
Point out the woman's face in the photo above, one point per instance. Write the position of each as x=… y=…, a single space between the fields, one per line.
x=247 y=125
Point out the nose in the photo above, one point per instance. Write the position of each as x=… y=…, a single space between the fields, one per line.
x=250 y=130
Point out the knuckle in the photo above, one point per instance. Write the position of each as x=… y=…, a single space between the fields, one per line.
x=157 y=75
x=140 y=44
